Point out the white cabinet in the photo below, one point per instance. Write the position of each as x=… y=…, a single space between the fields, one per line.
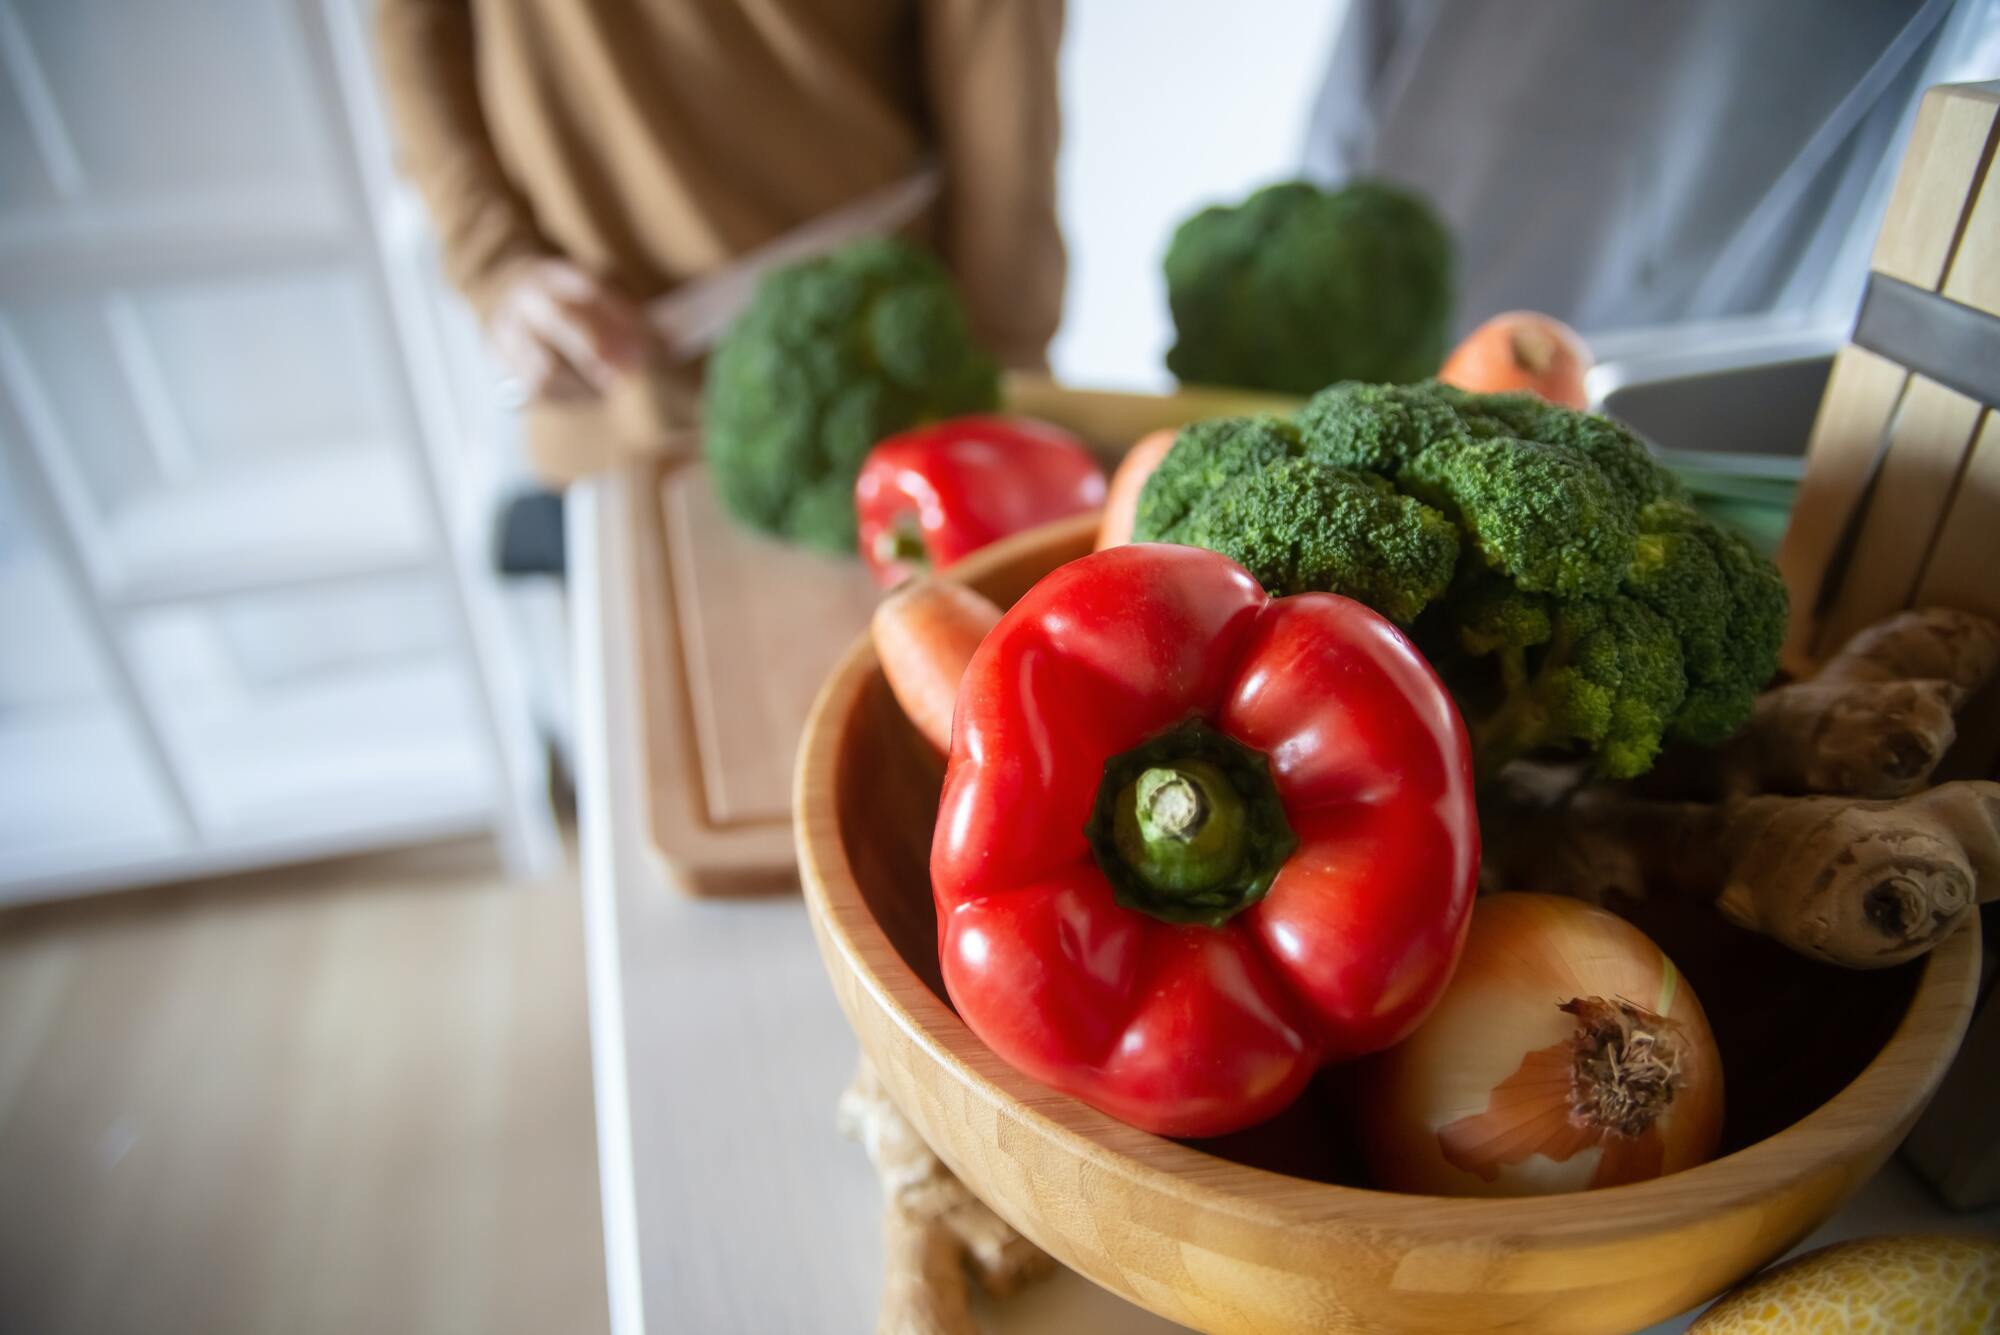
x=243 y=614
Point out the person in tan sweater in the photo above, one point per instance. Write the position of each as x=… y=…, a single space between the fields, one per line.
x=581 y=158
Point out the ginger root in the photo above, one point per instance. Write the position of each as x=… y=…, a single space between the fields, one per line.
x=932 y=1228
x=1874 y=722
x=1864 y=884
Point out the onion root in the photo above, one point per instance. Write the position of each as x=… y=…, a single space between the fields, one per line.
x=1626 y=1065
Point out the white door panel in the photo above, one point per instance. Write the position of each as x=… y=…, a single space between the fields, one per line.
x=250 y=605
x=66 y=345
x=277 y=362
x=172 y=97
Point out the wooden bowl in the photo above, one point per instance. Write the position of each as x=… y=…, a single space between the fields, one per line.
x=1223 y=1246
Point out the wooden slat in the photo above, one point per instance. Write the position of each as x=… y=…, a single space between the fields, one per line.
x=1949 y=146
x=1964 y=569
x=1974 y=275
x=1928 y=441
x=1935 y=238
x=1861 y=395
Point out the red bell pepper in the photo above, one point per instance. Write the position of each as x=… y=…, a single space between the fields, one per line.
x=933 y=494
x=1195 y=841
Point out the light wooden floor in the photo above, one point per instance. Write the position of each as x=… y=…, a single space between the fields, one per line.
x=350 y=1098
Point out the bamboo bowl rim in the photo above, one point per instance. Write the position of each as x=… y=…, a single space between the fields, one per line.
x=1889 y=1092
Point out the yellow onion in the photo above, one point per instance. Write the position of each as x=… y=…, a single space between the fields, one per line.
x=1567 y=1053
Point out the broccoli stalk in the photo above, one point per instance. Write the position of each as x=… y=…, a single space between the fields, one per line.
x=1597 y=675
x=1549 y=567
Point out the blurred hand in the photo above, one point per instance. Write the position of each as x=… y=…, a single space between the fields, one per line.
x=562 y=334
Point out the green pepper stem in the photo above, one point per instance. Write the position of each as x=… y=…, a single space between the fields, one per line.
x=1188 y=826
x=1172 y=805
x=901 y=541
x=1180 y=826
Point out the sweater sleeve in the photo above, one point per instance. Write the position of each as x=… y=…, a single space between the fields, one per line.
x=991 y=81
x=429 y=75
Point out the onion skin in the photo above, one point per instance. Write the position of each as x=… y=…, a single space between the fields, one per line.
x=1478 y=1102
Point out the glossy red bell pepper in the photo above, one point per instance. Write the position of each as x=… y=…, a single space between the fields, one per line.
x=1195 y=841
x=933 y=494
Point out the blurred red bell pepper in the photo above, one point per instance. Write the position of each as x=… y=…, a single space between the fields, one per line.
x=1195 y=841
x=936 y=493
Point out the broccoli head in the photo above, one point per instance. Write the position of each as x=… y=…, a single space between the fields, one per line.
x=832 y=355
x=1547 y=517
x=1298 y=286
x=1588 y=609
x=1244 y=487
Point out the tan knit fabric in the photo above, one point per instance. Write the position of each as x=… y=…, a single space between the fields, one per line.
x=653 y=140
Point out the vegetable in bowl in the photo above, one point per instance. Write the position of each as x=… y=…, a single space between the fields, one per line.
x=1567 y=1054
x=1551 y=569
x=1196 y=842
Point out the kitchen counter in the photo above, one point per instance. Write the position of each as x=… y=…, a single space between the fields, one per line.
x=730 y=1202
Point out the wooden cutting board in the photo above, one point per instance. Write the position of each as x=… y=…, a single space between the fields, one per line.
x=735 y=634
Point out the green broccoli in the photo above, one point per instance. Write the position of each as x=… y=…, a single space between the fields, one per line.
x=1219 y=453
x=832 y=355
x=1244 y=486
x=1729 y=613
x=1535 y=673
x=1589 y=608
x=1298 y=286
x=1547 y=517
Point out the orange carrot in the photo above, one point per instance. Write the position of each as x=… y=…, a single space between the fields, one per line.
x=924 y=634
x=1121 y=501
x=1522 y=350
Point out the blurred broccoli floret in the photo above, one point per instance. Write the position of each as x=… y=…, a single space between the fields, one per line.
x=832 y=355
x=1589 y=609
x=1244 y=486
x=1298 y=286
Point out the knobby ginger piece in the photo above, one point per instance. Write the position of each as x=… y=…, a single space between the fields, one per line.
x=1877 y=718
x=1864 y=884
